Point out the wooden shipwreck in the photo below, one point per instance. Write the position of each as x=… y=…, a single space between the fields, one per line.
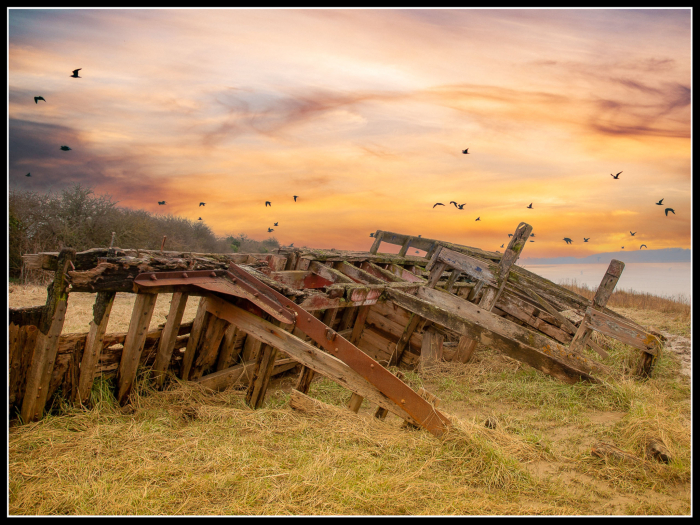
x=344 y=315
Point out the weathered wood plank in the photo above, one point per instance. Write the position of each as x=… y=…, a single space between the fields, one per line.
x=28 y=315
x=41 y=369
x=490 y=329
x=452 y=280
x=381 y=273
x=208 y=347
x=230 y=348
x=625 y=333
x=405 y=274
x=565 y=323
x=166 y=345
x=358 y=274
x=257 y=388
x=195 y=334
x=134 y=343
x=431 y=351
x=474 y=268
x=93 y=344
x=329 y=273
x=377 y=241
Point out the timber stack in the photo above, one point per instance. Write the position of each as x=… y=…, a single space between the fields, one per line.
x=342 y=314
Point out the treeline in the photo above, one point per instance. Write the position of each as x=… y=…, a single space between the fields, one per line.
x=80 y=219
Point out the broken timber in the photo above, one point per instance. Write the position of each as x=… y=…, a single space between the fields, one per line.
x=342 y=314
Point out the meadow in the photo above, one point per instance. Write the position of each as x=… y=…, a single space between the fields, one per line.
x=189 y=451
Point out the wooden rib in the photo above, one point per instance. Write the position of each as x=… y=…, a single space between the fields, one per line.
x=41 y=369
x=377 y=241
x=230 y=348
x=168 y=337
x=208 y=347
x=133 y=344
x=93 y=344
x=307 y=374
x=193 y=341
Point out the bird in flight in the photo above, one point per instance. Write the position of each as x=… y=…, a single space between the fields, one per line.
x=510 y=235
x=477 y=219
x=669 y=210
x=643 y=246
x=659 y=203
x=502 y=245
x=37 y=99
x=465 y=151
x=291 y=245
x=530 y=206
x=615 y=176
x=453 y=202
x=460 y=206
x=28 y=175
x=199 y=219
x=270 y=230
x=75 y=73
x=417 y=251
x=585 y=239
x=531 y=240
x=622 y=248
x=441 y=204
x=66 y=148
x=632 y=233
x=532 y=235
x=202 y=203
x=295 y=198
x=268 y=203
x=161 y=202
x=568 y=241
x=371 y=234
x=275 y=224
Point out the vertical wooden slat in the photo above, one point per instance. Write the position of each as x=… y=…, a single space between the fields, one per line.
x=602 y=294
x=232 y=336
x=377 y=241
x=431 y=350
x=93 y=344
x=362 y=312
x=405 y=247
x=452 y=280
x=306 y=375
x=466 y=345
x=133 y=344
x=168 y=337
x=39 y=375
x=199 y=319
x=436 y=274
x=255 y=395
x=251 y=348
x=208 y=348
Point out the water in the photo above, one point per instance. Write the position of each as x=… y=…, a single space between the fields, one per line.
x=664 y=279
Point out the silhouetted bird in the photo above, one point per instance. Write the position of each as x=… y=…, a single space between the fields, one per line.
x=530 y=206
x=532 y=241
x=502 y=245
x=477 y=219
x=202 y=203
x=438 y=204
x=199 y=219
x=460 y=206
x=585 y=239
x=295 y=198
x=568 y=241
x=268 y=203
x=66 y=148
x=419 y=236
x=28 y=175
x=275 y=224
x=510 y=235
x=615 y=176
x=669 y=210
x=532 y=235
x=643 y=246
x=75 y=73
x=161 y=202
x=632 y=234
x=269 y=230
x=417 y=251
x=622 y=248
x=37 y=99
x=453 y=202
x=371 y=234
x=465 y=151
x=291 y=245
x=659 y=203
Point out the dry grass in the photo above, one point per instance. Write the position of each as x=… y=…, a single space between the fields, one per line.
x=187 y=451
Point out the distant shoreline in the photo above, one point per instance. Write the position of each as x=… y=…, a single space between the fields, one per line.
x=667 y=255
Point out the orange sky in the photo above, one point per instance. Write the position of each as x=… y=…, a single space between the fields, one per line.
x=363 y=114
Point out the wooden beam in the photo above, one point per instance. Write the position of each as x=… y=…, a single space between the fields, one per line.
x=406 y=245
x=380 y=273
x=166 y=345
x=307 y=374
x=133 y=344
x=377 y=241
x=41 y=369
x=255 y=395
x=193 y=341
x=628 y=334
x=329 y=273
x=431 y=351
x=208 y=348
x=93 y=344
x=231 y=347
x=452 y=280
x=489 y=329
x=357 y=274
x=602 y=294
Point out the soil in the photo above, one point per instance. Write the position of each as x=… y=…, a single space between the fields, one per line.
x=680 y=346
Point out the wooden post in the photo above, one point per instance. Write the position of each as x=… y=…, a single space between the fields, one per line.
x=93 y=344
x=195 y=334
x=257 y=387
x=306 y=375
x=466 y=346
x=452 y=280
x=431 y=351
x=377 y=241
x=208 y=347
x=232 y=337
x=405 y=247
x=602 y=294
x=168 y=337
x=133 y=344
x=356 y=399
x=41 y=369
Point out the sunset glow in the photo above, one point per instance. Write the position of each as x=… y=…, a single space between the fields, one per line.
x=364 y=114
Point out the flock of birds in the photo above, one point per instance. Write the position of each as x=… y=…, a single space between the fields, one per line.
x=567 y=240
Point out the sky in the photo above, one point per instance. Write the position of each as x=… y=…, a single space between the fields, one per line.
x=363 y=114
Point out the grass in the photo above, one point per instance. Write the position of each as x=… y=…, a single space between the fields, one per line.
x=188 y=451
